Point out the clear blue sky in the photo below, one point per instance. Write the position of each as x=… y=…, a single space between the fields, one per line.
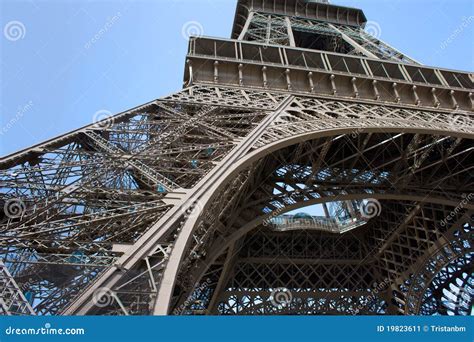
x=62 y=76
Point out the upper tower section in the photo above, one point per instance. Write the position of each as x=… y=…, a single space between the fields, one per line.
x=307 y=24
x=320 y=49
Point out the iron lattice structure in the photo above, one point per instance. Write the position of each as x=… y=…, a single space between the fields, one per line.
x=178 y=206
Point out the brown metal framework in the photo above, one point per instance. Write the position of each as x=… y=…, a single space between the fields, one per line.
x=172 y=207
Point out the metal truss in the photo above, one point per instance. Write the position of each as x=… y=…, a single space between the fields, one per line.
x=441 y=281
x=331 y=224
x=78 y=227
x=323 y=273
x=277 y=29
x=72 y=206
x=372 y=45
x=180 y=206
x=307 y=114
x=12 y=299
x=268 y=29
x=353 y=167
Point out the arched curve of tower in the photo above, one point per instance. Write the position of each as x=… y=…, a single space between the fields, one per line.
x=306 y=167
x=281 y=189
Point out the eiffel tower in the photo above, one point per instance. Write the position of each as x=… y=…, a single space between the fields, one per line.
x=306 y=167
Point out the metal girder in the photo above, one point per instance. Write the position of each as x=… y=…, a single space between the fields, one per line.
x=372 y=157
x=176 y=206
x=104 y=186
x=12 y=299
x=177 y=212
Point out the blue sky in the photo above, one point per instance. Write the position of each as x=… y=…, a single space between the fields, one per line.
x=73 y=59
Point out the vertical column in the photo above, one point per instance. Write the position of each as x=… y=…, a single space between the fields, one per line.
x=246 y=27
x=326 y=211
x=291 y=37
x=269 y=29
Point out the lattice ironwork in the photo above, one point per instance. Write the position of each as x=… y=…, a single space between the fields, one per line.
x=389 y=241
x=180 y=206
x=73 y=205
